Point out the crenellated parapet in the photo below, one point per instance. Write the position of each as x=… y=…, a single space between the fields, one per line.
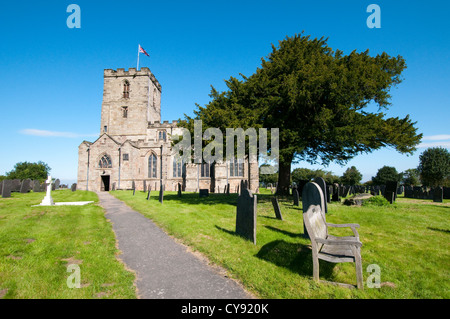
x=121 y=72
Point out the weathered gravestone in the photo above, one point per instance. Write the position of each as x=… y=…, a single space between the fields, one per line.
x=1 y=187
x=335 y=196
x=37 y=187
x=323 y=186
x=57 y=183
x=228 y=189
x=296 y=197
x=390 y=192
x=6 y=189
x=114 y=186
x=26 y=186
x=438 y=195
x=148 y=194
x=145 y=186
x=204 y=192
x=179 y=190
x=246 y=215
x=161 y=194
x=276 y=208
x=301 y=183
x=15 y=185
x=133 y=187
x=312 y=195
x=73 y=188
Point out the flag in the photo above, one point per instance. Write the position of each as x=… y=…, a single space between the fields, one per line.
x=141 y=50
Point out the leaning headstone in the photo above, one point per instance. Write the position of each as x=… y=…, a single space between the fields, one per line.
x=161 y=194
x=296 y=197
x=179 y=190
x=323 y=186
x=246 y=215
x=6 y=189
x=312 y=195
x=26 y=186
x=203 y=192
x=276 y=208
x=73 y=188
x=438 y=195
x=148 y=194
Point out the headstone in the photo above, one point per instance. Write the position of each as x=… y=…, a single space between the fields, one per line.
x=301 y=183
x=148 y=194
x=37 y=186
x=312 y=195
x=57 y=183
x=179 y=190
x=446 y=191
x=438 y=194
x=113 y=186
x=73 y=188
x=1 y=187
x=6 y=189
x=391 y=187
x=228 y=189
x=335 y=197
x=145 y=186
x=15 y=185
x=246 y=215
x=296 y=197
x=323 y=186
x=26 y=186
x=203 y=192
x=276 y=207
x=161 y=194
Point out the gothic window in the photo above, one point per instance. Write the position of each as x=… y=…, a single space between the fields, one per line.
x=124 y=111
x=105 y=129
x=105 y=162
x=237 y=167
x=205 y=170
x=126 y=89
x=179 y=169
x=152 y=166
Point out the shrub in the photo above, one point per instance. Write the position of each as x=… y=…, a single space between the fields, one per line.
x=376 y=201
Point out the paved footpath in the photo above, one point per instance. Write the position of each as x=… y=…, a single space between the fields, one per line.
x=164 y=268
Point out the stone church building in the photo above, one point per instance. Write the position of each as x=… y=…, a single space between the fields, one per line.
x=134 y=146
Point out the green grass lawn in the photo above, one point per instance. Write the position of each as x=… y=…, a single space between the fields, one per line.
x=408 y=240
x=38 y=243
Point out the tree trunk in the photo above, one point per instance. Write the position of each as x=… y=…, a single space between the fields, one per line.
x=284 y=178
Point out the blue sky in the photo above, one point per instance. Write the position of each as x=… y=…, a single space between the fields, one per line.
x=52 y=77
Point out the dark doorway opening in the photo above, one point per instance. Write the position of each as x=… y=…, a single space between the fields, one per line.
x=105 y=183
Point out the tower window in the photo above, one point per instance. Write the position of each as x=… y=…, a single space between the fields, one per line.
x=105 y=162
x=162 y=135
x=126 y=90
x=105 y=129
x=125 y=111
x=152 y=166
x=125 y=157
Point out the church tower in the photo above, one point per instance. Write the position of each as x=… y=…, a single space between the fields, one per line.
x=131 y=99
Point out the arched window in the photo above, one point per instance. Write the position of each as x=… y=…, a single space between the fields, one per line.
x=105 y=162
x=126 y=89
x=237 y=167
x=152 y=166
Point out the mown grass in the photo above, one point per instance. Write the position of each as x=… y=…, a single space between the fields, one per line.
x=409 y=241
x=38 y=243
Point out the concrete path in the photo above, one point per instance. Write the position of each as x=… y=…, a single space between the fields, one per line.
x=164 y=268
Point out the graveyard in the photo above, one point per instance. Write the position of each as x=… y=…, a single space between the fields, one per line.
x=406 y=239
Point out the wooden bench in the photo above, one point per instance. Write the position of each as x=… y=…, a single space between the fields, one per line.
x=330 y=248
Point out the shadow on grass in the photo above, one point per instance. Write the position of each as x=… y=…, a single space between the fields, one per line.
x=295 y=257
x=438 y=229
x=284 y=232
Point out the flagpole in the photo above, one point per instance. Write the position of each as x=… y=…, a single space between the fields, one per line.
x=138 y=58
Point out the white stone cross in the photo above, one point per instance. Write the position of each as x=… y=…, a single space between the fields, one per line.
x=48 y=200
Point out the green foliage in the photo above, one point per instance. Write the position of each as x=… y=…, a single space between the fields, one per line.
x=24 y=170
x=434 y=166
x=386 y=174
x=351 y=176
x=309 y=174
x=411 y=177
x=266 y=179
x=317 y=97
x=376 y=201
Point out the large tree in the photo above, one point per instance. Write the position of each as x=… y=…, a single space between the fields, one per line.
x=434 y=166
x=24 y=170
x=318 y=98
x=387 y=174
x=351 y=176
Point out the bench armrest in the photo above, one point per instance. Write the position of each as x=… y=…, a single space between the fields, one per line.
x=354 y=242
x=352 y=226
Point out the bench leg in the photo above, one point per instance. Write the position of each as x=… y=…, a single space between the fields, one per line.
x=359 y=274
x=316 y=268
